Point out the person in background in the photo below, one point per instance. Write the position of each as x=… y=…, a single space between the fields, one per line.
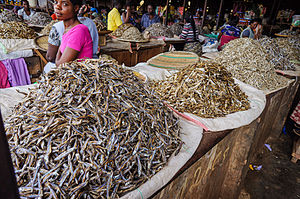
x=16 y=9
x=190 y=35
x=103 y=15
x=25 y=13
x=249 y=31
x=149 y=18
x=94 y=13
x=84 y=10
x=229 y=32
x=259 y=28
x=76 y=41
x=130 y=16
x=114 y=17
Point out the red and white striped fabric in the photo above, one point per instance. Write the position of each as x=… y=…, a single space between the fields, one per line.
x=296 y=114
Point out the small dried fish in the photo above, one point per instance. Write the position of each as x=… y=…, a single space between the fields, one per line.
x=249 y=62
x=289 y=48
x=91 y=130
x=46 y=30
x=99 y=24
x=159 y=30
x=40 y=19
x=7 y=16
x=204 y=89
x=16 y=30
x=176 y=28
x=287 y=32
x=121 y=29
x=132 y=34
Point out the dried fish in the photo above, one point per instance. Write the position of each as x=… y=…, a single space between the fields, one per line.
x=46 y=30
x=159 y=30
x=91 y=130
x=278 y=56
x=7 y=16
x=287 y=32
x=205 y=89
x=249 y=62
x=176 y=28
x=290 y=49
x=40 y=19
x=132 y=34
x=121 y=29
x=99 y=24
x=16 y=30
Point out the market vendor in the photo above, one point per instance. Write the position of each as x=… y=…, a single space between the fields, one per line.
x=229 y=32
x=129 y=16
x=25 y=13
x=114 y=17
x=249 y=31
x=76 y=41
x=149 y=18
x=190 y=35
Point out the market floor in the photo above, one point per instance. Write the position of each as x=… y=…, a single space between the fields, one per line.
x=278 y=177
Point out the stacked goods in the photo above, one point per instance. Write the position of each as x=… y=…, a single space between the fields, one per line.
x=7 y=16
x=132 y=34
x=204 y=89
x=176 y=28
x=278 y=56
x=121 y=29
x=159 y=30
x=99 y=24
x=16 y=30
x=46 y=30
x=40 y=19
x=290 y=49
x=91 y=130
x=249 y=62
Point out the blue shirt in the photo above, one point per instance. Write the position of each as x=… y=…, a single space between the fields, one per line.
x=146 y=22
x=231 y=31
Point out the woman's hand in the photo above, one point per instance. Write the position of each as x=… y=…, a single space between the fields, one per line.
x=68 y=55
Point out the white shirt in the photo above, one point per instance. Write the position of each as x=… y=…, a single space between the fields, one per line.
x=91 y=26
x=22 y=13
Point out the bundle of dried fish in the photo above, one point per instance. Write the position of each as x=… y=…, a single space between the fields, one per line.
x=132 y=34
x=99 y=24
x=176 y=28
x=91 y=130
x=287 y=32
x=121 y=29
x=159 y=30
x=278 y=56
x=16 y=30
x=288 y=48
x=47 y=28
x=7 y=15
x=204 y=89
x=249 y=62
x=40 y=19
x=295 y=41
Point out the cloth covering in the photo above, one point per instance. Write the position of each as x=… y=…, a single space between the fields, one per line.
x=12 y=45
x=16 y=54
x=3 y=76
x=17 y=72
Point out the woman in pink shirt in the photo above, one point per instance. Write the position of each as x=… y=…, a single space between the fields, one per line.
x=76 y=42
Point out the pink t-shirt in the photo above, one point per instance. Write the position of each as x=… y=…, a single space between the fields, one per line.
x=79 y=39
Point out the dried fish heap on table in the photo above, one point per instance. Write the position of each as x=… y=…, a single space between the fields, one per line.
x=91 y=130
x=295 y=41
x=249 y=62
x=176 y=28
x=290 y=49
x=159 y=30
x=204 y=89
x=287 y=32
x=16 y=30
x=132 y=34
x=7 y=16
x=99 y=24
x=40 y=19
x=121 y=29
x=46 y=30
x=278 y=56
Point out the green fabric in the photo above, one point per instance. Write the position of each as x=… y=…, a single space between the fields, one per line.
x=178 y=57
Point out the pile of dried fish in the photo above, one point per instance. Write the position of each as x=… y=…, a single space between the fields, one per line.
x=278 y=56
x=204 y=89
x=249 y=62
x=295 y=41
x=46 y=30
x=16 y=30
x=132 y=34
x=40 y=19
x=159 y=30
x=288 y=48
x=287 y=32
x=121 y=29
x=176 y=28
x=7 y=15
x=91 y=130
x=99 y=24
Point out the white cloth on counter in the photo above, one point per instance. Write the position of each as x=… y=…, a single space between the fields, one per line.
x=16 y=54
x=12 y=45
x=48 y=67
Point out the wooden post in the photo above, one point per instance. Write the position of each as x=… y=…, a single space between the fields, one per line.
x=204 y=13
x=219 y=15
x=167 y=12
x=184 y=4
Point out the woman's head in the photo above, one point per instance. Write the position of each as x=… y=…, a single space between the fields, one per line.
x=66 y=9
x=25 y=4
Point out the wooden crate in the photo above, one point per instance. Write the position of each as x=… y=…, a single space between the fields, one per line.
x=34 y=66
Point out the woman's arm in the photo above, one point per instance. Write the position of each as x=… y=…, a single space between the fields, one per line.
x=68 y=55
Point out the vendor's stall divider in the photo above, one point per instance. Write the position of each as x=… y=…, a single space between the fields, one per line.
x=220 y=173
